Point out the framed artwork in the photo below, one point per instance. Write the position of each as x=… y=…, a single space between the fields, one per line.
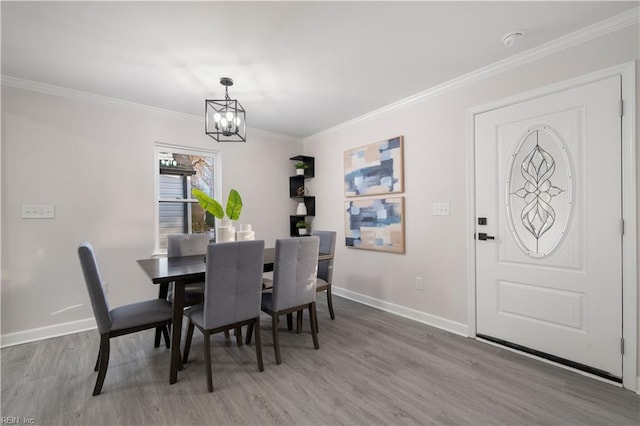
x=375 y=224
x=374 y=169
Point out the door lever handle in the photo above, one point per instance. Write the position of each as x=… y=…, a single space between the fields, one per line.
x=482 y=236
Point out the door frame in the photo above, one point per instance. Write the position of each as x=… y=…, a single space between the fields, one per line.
x=627 y=72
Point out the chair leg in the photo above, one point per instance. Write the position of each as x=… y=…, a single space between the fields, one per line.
x=330 y=303
x=239 y=336
x=314 y=324
x=207 y=360
x=276 y=340
x=167 y=339
x=315 y=314
x=258 y=344
x=104 y=363
x=98 y=359
x=187 y=343
x=290 y=321
x=156 y=342
x=249 y=333
x=299 y=316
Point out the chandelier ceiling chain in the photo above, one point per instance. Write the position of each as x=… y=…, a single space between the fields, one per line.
x=225 y=119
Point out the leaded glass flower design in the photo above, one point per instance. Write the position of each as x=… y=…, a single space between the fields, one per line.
x=537 y=169
x=539 y=191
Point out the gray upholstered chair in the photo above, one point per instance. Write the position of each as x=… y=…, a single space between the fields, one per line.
x=232 y=295
x=325 y=272
x=294 y=285
x=121 y=320
x=325 y=267
x=179 y=245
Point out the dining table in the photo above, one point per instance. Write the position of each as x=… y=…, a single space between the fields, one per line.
x=181 y=271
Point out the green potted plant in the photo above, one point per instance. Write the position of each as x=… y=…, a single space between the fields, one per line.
x=300 y=166
x=303 y=227
x=225 y=232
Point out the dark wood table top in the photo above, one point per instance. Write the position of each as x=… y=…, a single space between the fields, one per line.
x=164 y=270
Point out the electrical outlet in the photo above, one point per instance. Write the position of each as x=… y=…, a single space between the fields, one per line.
x=419 y=284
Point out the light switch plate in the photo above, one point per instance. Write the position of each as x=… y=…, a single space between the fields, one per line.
x=38 y=211
x=441 y=209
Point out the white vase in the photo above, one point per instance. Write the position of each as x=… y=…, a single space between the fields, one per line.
x=301 y=210
x=226 y=232
x=302 y=231
x=245 y=233
x=299 y=171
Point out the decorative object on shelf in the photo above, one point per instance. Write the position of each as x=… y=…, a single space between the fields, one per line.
x=302 y=191
x=373 y=169
x=300 y=167
x=303 y=227
x=245 y=233
x=301 y=210
x=225 y=232
x=375 y=224
x=225 y=119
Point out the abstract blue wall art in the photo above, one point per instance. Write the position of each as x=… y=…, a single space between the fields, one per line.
x=374 y=169
x=375 y=224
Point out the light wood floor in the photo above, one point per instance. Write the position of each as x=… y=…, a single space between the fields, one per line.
x=373 y=368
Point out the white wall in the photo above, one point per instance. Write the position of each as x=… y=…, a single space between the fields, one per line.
x=435 y=143
x=95 y=162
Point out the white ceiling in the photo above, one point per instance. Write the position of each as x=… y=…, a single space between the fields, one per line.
x=299 y=67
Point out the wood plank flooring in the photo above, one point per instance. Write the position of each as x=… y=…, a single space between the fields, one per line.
x=373 y=368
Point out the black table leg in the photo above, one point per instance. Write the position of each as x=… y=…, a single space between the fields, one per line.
x=176 y=330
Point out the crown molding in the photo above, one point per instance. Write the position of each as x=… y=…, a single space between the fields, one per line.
x=49 y=89
x=567 y=41
x=79 y=95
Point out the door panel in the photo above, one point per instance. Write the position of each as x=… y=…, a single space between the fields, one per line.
x=548 y=180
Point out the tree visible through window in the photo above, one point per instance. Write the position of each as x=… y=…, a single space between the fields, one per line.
x=178 y=172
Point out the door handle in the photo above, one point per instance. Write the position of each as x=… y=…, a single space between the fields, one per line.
x=482 y=236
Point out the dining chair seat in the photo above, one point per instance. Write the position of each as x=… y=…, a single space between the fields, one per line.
x=138 y=314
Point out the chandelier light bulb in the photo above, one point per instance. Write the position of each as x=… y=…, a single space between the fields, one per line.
x=217 y=117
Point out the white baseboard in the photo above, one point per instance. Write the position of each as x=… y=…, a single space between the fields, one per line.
x=48 y=332
x=413 y=314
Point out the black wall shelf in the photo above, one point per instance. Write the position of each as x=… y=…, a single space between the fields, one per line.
x=298 y=192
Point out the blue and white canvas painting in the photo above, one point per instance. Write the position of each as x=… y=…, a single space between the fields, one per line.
x=374 y=169
x=375 y=224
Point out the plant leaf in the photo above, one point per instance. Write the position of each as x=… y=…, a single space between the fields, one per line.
x=208 y=203
x=234 y=205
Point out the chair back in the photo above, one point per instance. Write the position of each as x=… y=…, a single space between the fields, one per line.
x=294 y=272
x=327 y=246
x=187 y=244
x=233 y=282
x=95 y=287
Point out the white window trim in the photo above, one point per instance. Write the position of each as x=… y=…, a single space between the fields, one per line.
x=179 y=149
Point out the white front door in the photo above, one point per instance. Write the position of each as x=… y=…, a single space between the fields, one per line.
x=549 y=190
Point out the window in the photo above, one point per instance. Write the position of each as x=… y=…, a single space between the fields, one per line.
x=178 y=170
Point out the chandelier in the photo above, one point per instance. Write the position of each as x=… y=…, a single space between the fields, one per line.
x=225 y=118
